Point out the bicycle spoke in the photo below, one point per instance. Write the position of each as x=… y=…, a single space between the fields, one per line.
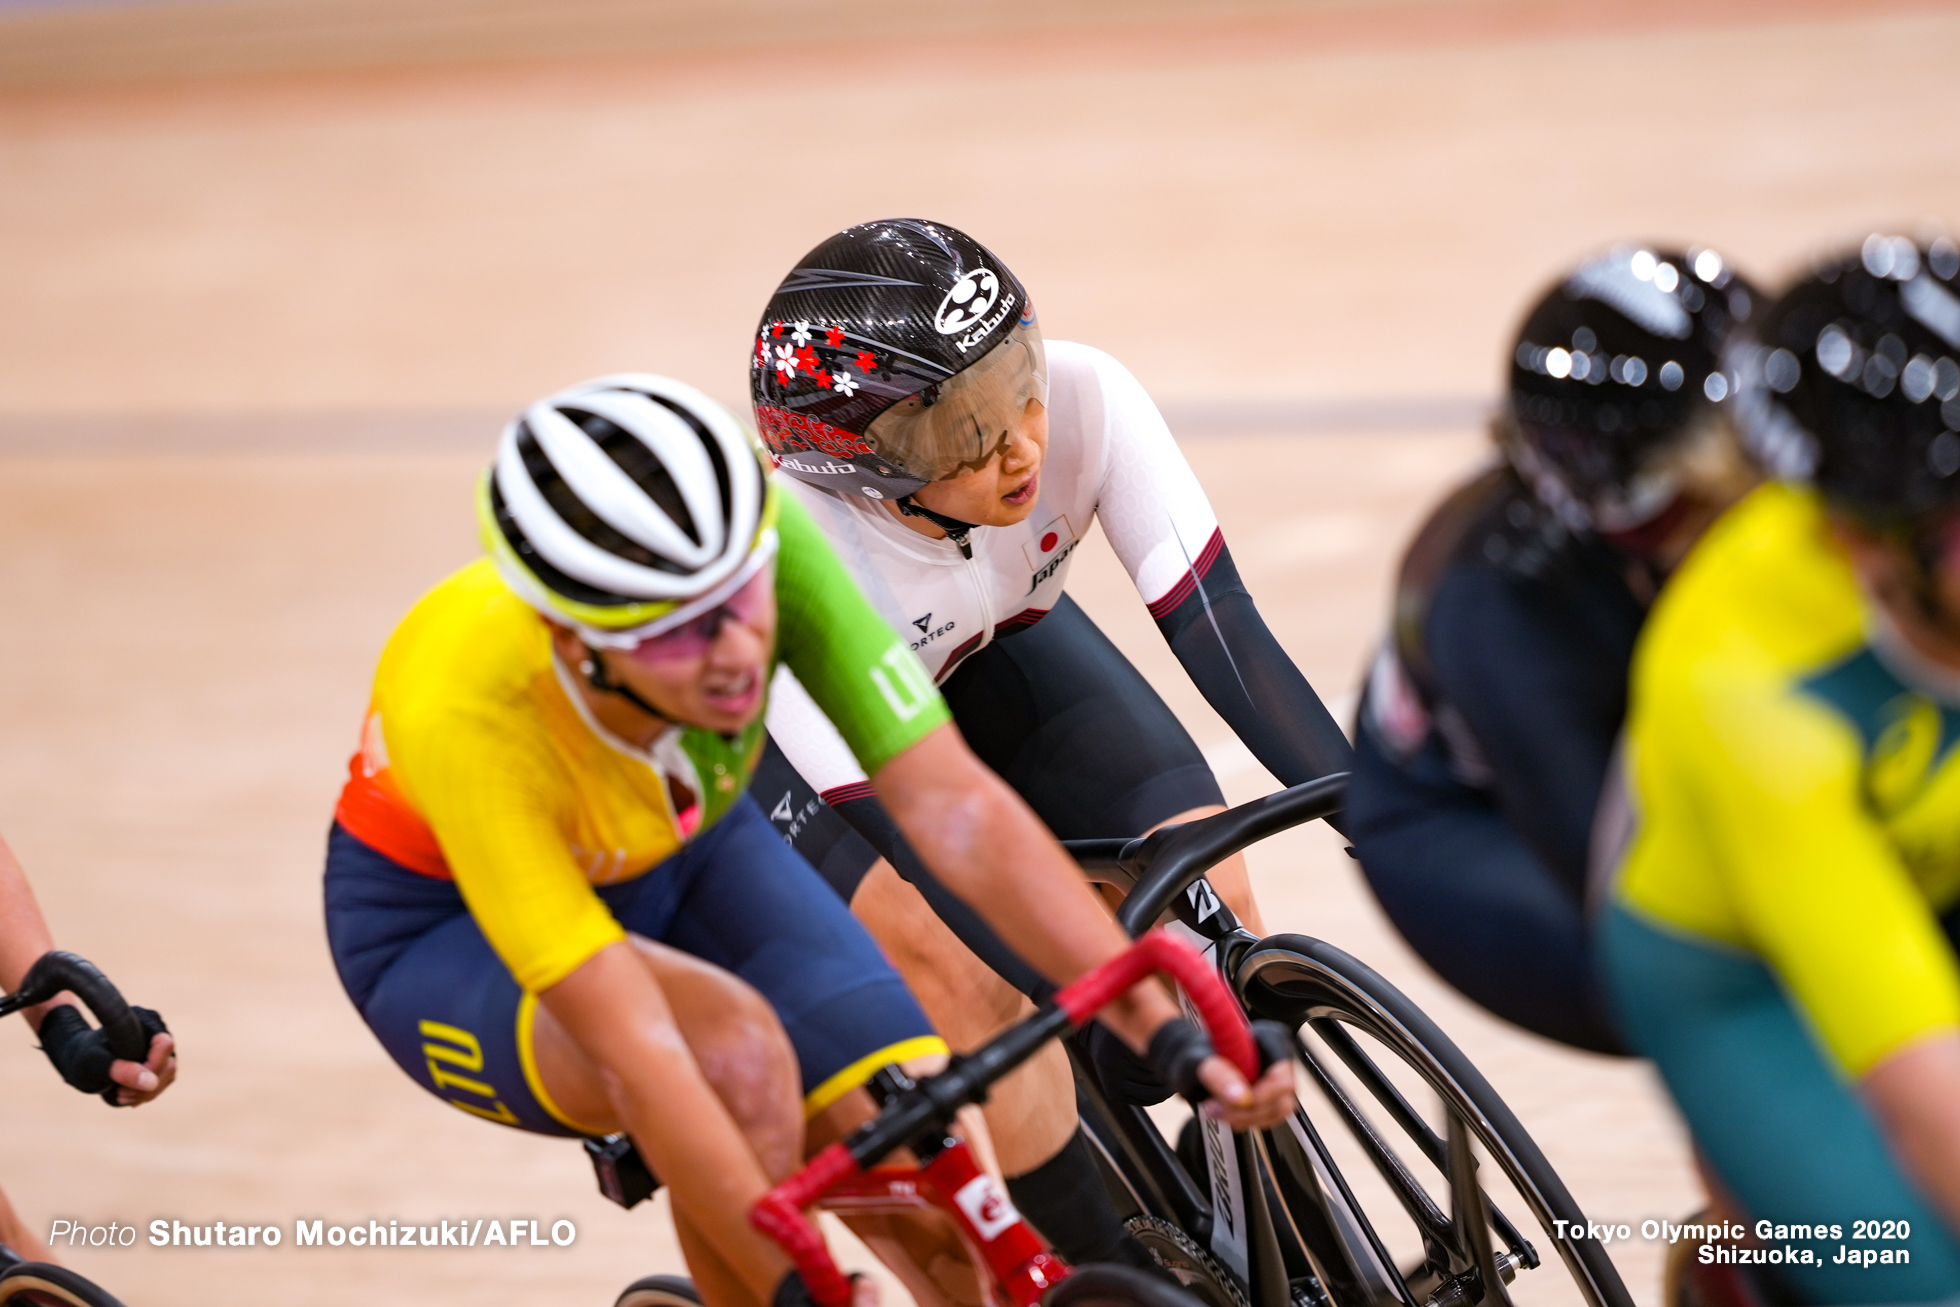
x=1434 y=1226
x=1371 y=1078
x=1467 y=1208
x=1348 y=1253
x=1431 y=1144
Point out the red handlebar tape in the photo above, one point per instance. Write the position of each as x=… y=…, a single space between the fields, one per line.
x=1159 y=952
x=779 y=1214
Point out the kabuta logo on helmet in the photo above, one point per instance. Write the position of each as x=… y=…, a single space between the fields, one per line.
x=971 y=298
x=980 y=333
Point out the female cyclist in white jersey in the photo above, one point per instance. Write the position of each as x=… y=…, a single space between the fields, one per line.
x=955 y=460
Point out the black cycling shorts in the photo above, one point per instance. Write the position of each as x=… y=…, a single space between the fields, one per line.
x=1062 y=716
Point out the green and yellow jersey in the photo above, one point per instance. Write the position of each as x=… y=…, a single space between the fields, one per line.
x=1794 y=797
x=479 y=761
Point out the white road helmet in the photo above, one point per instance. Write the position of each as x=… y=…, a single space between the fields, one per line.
x=626 y=505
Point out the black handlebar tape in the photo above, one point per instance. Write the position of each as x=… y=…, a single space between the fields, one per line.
x=57 y=971
x=925 y=1111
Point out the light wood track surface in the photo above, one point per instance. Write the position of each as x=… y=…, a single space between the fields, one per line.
x=259 y=329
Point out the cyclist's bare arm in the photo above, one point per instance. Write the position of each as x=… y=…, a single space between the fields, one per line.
x=24 y=937
x=982 y=840
x=24 y=933
x=612 y=1007
x=1915 y=1094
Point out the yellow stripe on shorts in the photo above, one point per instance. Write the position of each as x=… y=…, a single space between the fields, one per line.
x=864 y=1068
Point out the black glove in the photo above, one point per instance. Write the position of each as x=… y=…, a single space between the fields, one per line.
x=1125 y=1077
x=81 y=1053
x=1176 y=1051
x=1171 y=1066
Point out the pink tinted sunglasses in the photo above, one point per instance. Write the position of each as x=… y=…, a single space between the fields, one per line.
x=694 y=637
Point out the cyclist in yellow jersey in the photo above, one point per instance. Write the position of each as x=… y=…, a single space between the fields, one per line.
x=1780 y=937
x=547 y=890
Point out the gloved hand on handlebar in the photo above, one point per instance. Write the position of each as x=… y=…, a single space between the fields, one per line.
x=1181 y=1060
x=81 y=1054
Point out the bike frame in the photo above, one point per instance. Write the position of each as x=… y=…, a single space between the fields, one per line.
x=1014 y=1262
x=1281 y=1215
x=1161 y=873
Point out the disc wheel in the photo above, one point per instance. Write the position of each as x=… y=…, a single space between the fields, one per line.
x=660 y=1291
x=38 y=1284
x=1200 y=1274
x=1400 y=1181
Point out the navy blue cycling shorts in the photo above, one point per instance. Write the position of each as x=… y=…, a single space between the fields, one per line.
x=449 y=1012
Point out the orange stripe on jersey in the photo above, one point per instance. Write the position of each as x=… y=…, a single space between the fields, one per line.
x=373 y=812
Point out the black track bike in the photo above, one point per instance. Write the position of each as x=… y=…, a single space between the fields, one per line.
x=1402 y=1180
x=39 y=1284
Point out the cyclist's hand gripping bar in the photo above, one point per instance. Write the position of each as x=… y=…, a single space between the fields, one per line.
x=924 y=1113
x=123 y=1034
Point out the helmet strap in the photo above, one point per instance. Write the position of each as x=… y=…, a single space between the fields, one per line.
x=955 y=530
x=593 y=668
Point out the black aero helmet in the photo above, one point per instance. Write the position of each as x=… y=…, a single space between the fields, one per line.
x=1855 y=380
x=854 y=371
x=1612 y=368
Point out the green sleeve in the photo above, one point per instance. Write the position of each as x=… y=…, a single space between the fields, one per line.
x=861 y=673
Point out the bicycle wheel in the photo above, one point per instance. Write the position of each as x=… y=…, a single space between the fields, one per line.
x=1105 y=1285
x=1407 y=1213
x=660 y=1291
x=38 y=1284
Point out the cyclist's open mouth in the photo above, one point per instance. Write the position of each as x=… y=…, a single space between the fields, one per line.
x=1025 y=495
x=736 y=696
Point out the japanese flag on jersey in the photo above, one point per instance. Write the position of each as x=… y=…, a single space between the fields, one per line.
x=1050 y=542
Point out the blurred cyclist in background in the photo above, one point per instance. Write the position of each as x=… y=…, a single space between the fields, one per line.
x=1782 y=928
x=1491 y=712
x=955 y=460
x=78 y=1050
x=548 y=892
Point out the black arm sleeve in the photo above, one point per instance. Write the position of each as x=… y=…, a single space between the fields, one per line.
x=1246 y=677
x=869 y=819
x=1537 y=667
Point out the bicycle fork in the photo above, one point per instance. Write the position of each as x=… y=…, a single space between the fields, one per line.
x=1281 y=1216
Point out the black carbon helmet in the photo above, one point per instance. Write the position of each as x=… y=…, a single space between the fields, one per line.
x=872 y=317
x=1614 y=365
x=1855 y=380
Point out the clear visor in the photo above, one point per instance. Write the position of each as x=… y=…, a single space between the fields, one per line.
x=961 y=424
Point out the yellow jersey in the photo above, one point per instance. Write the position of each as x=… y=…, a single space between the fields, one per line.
x=1794 y=795
x=479 y=760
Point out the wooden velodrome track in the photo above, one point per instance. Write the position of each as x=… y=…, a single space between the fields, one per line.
x=258 y=330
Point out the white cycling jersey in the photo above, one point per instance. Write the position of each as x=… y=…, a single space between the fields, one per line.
x=1110 y=456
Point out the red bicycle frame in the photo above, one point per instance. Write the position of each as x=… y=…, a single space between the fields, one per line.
x=1014 y=1261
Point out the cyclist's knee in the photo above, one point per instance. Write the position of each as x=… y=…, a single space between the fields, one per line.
x=962 y=994
x=742 y=1050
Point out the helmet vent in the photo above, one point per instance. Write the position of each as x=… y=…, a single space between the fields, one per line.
x=641 y=465
x=724 y=484
x=569 y=586
x=574 y=512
